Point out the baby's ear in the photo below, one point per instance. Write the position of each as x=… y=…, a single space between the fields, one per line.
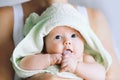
x=30 y=22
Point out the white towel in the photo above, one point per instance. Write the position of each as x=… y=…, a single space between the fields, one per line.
x=37 y=27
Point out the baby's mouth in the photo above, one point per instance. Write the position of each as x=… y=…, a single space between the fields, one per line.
x=67 y=51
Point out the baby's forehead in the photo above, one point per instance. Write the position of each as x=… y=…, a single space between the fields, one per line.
x=63 y=29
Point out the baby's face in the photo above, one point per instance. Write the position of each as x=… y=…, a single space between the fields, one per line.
x=64 y=39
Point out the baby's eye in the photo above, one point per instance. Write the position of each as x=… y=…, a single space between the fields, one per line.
x=58 y=37
x=74 y=35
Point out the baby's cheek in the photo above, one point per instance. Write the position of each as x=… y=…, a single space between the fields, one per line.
x=55 y=50
x=79 y=56
x=78 y=50
x=79 y=46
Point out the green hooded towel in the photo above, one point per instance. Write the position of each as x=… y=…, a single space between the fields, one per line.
x=37 y=27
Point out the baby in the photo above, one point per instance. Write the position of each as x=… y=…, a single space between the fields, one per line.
x=60 y=42
x=63 y=53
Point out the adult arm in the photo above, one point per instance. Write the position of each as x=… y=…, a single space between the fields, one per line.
x=6 y=43
x=101 y=28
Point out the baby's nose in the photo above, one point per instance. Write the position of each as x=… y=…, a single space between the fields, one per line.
x=67 y=43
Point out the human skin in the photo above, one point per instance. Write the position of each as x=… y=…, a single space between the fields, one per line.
x=65 y=46
x=7 y=44
x=70 y=39
x=65 y=40
x=59 y=45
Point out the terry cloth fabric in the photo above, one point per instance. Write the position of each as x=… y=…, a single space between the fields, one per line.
x=37 y=27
